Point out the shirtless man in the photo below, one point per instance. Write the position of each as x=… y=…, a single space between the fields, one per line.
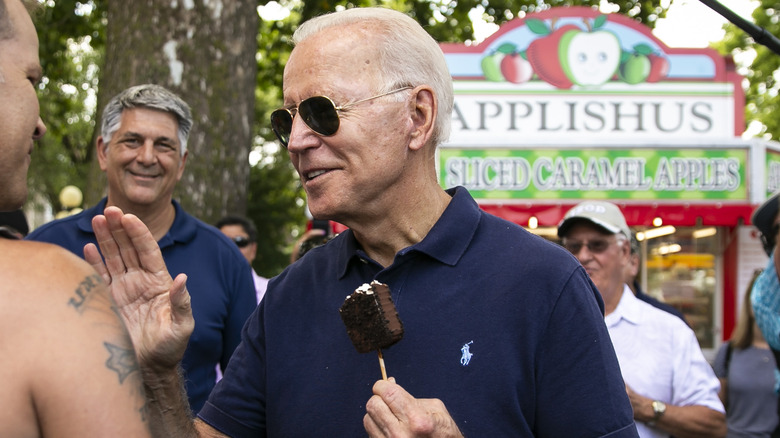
x=66 y=360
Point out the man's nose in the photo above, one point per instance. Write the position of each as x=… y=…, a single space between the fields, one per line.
x=583 y=253
x=301 y=136
x=146 y=152
x=40 y=130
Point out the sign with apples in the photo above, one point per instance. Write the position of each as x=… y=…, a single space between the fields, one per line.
x=586 y=69
x=579 y=86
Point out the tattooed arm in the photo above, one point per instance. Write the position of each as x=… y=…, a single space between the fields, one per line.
x=66 y=360
x=156 y=310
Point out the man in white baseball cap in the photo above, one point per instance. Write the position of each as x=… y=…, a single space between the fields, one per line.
x=672 y=387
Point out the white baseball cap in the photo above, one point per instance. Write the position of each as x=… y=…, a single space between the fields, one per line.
x=604 y=214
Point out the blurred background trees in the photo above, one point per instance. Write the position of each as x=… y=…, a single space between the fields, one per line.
x=762 y=72
x=227 y=62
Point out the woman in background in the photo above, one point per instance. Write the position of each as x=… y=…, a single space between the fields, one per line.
x=746 y=369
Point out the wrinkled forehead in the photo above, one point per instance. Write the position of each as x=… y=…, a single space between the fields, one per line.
x=332 y=59
x=17 y=32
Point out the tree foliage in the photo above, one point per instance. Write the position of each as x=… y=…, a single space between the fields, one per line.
x=70 y=58
x=274 y=199
x=205 y=52
x=763 y=74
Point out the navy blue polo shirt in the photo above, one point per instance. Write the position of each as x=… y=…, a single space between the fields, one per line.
x=502 y=326
x=219 y=280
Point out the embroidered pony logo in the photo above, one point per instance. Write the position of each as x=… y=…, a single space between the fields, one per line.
x=465 y=357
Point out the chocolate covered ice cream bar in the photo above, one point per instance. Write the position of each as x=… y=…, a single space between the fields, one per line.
x=371 y=318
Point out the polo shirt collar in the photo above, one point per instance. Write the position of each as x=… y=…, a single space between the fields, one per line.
x=446 y=242
x=84 y=222
x=629 y=308
x=182 y=230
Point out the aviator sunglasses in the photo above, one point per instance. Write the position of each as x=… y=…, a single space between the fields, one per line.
x=319 y=113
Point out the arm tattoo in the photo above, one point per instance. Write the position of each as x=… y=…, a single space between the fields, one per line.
x=84 y=292
x=121 y=360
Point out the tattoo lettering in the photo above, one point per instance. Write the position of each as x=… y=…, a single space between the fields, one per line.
x=84 y=292
x=121 y=360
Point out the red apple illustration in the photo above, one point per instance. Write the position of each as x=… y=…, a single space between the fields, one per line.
x=542 y=53
x=516 y=69
x=659 y=68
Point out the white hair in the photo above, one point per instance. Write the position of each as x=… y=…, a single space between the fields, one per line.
x=409 y=56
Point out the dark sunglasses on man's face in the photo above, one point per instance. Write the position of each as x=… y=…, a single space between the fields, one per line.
x=318 y=112
x=241 y=241
x=594 y=246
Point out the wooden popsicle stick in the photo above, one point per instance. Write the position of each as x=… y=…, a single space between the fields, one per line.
x=382 y=363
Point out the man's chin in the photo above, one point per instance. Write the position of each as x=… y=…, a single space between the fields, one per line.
x=14 y=201
x=136 y=199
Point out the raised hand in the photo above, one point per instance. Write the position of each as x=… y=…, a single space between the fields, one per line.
x=155 y=308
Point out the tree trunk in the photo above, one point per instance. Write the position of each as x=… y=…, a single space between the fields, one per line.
x=203 y=50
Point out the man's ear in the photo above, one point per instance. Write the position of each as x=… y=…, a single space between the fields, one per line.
x=102 y=152
x=424 y=112
x=183 y=164
x=625 y=247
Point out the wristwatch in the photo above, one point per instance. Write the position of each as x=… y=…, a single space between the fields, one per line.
x=659 y=408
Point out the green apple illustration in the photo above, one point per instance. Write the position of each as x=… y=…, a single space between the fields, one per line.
x=589 y=58
x=491 y=64
x=490 y=67
x=635 y=69
x=636 y=66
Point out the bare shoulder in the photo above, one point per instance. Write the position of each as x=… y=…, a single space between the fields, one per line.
x=36 y=263
x=65 y=355
x=47 y=278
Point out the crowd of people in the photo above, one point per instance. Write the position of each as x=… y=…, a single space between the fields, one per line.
x=164 y=329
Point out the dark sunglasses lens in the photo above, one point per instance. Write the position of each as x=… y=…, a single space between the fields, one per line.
x=240 y=241
x=281 y=123
x=595 y=247
x=573 y=247
x=598 y=246
x=320 y=115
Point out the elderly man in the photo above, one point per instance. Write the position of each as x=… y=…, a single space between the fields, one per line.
x=66 y=360
x=503 y=331
x=672 y=388
x=143 y=151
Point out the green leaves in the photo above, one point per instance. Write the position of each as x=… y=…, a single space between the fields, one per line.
x=762 y=96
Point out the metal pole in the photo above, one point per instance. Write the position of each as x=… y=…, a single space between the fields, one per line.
x=759 y=34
